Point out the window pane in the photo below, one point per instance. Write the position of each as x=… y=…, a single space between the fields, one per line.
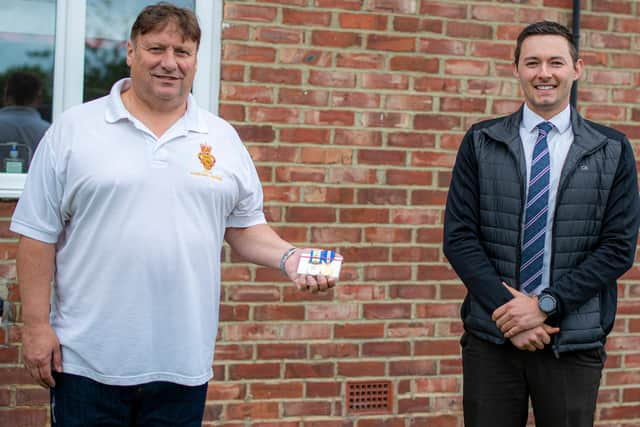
x=108 y=25
x=27 y=30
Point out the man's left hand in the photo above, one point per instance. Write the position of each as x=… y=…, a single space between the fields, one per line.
x=519 y=314
x=307 y=282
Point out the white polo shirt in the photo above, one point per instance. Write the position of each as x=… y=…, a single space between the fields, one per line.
x=138 y=222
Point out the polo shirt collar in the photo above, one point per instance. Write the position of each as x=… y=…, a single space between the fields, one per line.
x=192 y=119
x=561 y=121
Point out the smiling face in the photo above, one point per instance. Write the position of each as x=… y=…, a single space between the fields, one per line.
x=163 y=65
x=546 y=73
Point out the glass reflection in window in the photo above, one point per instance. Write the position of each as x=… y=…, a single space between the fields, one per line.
x=27 y=30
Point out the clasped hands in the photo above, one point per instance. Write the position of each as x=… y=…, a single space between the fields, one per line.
x=521 y=321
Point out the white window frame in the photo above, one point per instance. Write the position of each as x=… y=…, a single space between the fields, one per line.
x=68 y=74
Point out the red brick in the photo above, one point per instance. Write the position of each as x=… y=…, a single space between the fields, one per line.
x=359 y=331
x=382 y=196
x=323 y=389
x=361 y=369
x=359 y=60
x=362 y=21
x=388 y=272
x=297 y=56
x=278 y=35
x=333 y=312
x=390 y=43
x=412 y=292
x=441 y=46
x=330 y=117
x=254 y=371
x=306 y=408
x=239 y=52
x=467 y=67
x=415 y=254
x=436 y=122
x=259 y=94
x=226 y=391
x=297 y=174
x=492 y=50
x=313 y=18
x=233 y=351
x=355 y=99
x=279 y=390
x=249 y=13
x=385 y=81
x=252 y=410
x=414 y=63
x=408 y=177
x=434 y=84
x=357 y=137
x=337 y=79
x=333 y=350
x=469 y=30
x=415 y=25
x=386 y=120
x=281 y=351
x=362 y=215
x=32 y=417
x=309 y=370
x=335 y=39
x=434 y=421
x=278 y=312
x=335 y=235
x=303 y=97
x=610 y=41
x=352 y=175
x=393 y=6
x=386 y=311
x=412 y=367
x=256 y=133
x=339 y=4
x=301 y=135
x=276 y=75
x=613 y=6
x=437 y=348
x=328 y=195
x=386 y=234
x=493 y=13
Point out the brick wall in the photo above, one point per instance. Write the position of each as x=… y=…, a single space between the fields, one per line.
x=353 y=111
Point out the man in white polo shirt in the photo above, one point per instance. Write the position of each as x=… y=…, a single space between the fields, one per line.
x=126 y=206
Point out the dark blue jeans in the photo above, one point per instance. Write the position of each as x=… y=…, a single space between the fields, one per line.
x=78 y=401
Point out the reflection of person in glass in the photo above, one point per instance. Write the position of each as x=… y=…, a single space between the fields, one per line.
x=125 y=207
x=21 y=126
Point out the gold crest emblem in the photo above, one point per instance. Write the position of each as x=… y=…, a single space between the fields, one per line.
x=205 y=157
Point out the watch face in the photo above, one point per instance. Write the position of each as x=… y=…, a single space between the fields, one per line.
x=547 y=303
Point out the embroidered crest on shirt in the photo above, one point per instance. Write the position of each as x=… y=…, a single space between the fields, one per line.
x=208 y=161
x=205 y=156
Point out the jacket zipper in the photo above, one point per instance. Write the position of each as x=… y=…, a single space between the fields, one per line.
x=554 y=344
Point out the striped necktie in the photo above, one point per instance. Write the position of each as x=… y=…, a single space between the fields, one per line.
x=536 y=214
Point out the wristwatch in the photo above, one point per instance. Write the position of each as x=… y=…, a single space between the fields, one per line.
x=548 y=304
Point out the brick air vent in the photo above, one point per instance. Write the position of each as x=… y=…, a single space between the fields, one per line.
x=365 y=397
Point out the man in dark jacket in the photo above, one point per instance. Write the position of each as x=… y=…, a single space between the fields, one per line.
x=541 y=220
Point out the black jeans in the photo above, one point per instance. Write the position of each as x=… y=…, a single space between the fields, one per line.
x=500 y=379
x=78 y=401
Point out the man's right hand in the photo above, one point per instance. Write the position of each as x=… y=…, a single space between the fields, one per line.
x=41 y=352
x=535 y=338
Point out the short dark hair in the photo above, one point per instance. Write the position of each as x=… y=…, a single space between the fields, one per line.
x=23 y=88
x=547 y=28
x=156 y=17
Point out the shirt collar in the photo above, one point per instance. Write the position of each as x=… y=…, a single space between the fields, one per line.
x=561 y=121
x=192 y=120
